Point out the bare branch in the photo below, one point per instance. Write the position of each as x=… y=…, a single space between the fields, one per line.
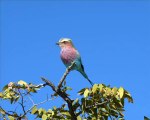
x=68 y=69
x=39 y=86
x=57 y=89
x=49 y=83
x=7 y=113
x=34 y=106
x=97 y=104
x=22 y=101
x=19 y=117
x=31 y=100
x=62 y=94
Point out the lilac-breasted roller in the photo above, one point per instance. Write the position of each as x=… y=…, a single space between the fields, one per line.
x=70 y=54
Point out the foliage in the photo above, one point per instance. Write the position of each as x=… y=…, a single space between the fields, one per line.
x=146 y=118
x=15 y=93
x=102 y=102
x=99 y=102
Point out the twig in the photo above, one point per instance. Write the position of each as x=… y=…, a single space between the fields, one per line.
x=55 y=89
x=34 y=106
x=22 y=101
x=49 y=84
x=96 y=104
x=31 y=100
x=25 y=112
x=7 y=113
x=68 y=69
x=63 y=95
x=39 y=86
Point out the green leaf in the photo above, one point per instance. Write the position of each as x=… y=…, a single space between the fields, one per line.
x=146 y=118
x=42 y=111
x=15 y=114
x=114 y=112
x=55 y=94
x=68 y=88
x=2 y=111
x=34 y=110
x=44 y=117
x=1 y=95
x=106 y=117
x=66 y=113
x=81 y=92
x=121 y=114
x=11 y=118
x=55 y=108
x=17 y=98
x=75 y=101
x=83 y=105
x=21 y=82
x=121 y=92
x=120 y=104
x=79 y=118
x=112 y=106
x=51 y=112
x=108 y=91
x=86 y=92
x=101 y=88
x=5 y=87
x=120 y=119
x=11 y=100
x=114 y=91
x=33 y=90
x=94 y=118
x=128 y=96
x=94 y=88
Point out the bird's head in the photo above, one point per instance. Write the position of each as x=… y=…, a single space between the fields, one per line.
x=65 y=42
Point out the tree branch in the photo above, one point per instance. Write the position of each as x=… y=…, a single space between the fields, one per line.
x=34 y=106
x=62 y=94
x=49 y=83
x=22 y=101
x=97 y=104
x=68 y=69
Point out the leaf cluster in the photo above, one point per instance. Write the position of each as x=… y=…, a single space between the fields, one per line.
x=97 y=103
x=54 y=113
x=15 y=92
x=101 y=102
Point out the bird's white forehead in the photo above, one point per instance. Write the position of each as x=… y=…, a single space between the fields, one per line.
x=64 y=39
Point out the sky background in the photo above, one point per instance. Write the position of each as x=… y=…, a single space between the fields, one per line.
x=113 y=38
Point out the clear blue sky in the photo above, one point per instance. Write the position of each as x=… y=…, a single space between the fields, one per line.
x=113 y=38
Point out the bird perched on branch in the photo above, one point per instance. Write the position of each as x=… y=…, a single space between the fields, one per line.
x=70 y=54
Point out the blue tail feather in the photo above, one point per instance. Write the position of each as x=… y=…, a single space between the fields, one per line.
x=84 y=74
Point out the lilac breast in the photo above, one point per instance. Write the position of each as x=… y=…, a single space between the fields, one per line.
x=68 y=55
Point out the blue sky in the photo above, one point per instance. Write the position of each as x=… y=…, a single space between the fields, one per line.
x=113 y=38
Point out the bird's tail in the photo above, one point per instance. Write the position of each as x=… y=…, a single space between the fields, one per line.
x=85 y=75
x=90 y=81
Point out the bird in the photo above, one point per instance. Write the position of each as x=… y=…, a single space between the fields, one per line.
x=70 y=54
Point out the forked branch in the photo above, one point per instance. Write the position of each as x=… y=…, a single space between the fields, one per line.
x=61 y=93
x=68 y=69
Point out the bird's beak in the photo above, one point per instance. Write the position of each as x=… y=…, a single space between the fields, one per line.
x=57 y=43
